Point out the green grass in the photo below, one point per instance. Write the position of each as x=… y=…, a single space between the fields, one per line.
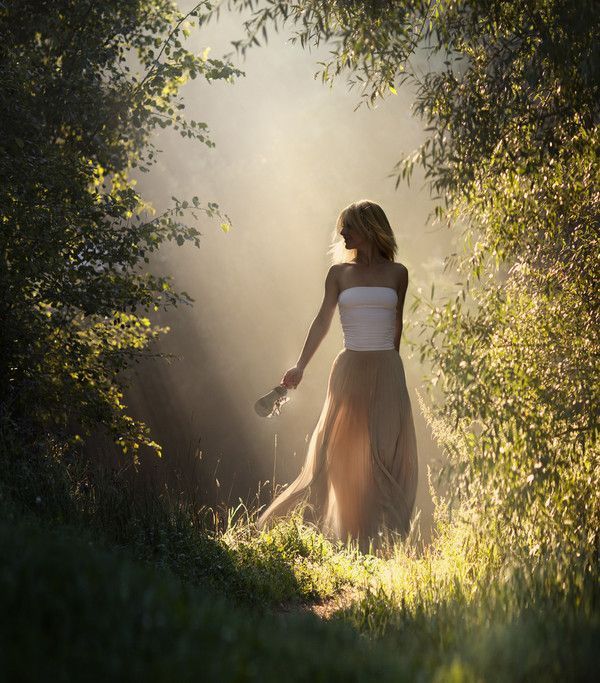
x=292 y=562
x=74 y=611
x=101 y=578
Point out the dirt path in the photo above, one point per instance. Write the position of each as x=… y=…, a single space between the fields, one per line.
x=324 y=609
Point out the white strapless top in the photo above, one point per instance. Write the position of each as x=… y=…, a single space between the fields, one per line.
x=368 y=317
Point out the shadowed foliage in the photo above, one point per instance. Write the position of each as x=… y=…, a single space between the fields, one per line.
x=84 y=85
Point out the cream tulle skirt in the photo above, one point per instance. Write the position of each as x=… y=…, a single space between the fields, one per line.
x=360 y=475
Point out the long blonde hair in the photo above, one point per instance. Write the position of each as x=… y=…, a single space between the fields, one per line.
x=368 y=219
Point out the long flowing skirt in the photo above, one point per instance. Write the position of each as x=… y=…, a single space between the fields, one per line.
x=359 y=478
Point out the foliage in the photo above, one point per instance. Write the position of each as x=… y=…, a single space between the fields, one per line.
x=459 y=611
x=82 y=611
x=513 y=150
x=84 y=86
x=510 y=97
x=223 y=553
x=123 y=585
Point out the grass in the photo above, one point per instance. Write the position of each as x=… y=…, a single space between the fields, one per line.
x=103 y=578
x=78 y=611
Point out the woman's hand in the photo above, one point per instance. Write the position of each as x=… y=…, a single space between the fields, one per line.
x=292 y=377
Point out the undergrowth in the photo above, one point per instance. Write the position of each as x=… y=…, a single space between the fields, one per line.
x=85 y=548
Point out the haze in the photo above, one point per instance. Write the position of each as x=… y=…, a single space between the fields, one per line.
x=290 y=154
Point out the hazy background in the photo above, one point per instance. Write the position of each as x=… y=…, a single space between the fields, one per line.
x=290 y=154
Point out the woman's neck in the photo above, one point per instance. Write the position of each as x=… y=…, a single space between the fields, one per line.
x=369 y=259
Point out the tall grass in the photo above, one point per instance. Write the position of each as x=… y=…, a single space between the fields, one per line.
x=452 y=611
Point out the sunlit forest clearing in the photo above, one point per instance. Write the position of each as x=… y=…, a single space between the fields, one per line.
x=106 y=574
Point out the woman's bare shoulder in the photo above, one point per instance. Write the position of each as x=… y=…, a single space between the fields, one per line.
x=334 y=270
x=401 y=275
x=333 y=275
x=401 y=269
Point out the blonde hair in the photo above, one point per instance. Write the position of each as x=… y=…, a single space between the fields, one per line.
x=369 y=220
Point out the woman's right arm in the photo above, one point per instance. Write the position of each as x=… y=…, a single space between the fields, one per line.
x=318 y=328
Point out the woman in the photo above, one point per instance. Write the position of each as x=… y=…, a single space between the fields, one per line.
x=360 y=474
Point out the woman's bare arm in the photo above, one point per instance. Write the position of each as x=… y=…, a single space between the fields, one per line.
x=318 y=329
x=320 y=325
x=402 y=287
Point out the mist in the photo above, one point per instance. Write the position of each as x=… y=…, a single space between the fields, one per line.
x=290 y=154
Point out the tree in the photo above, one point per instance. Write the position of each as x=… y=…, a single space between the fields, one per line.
x=84 y=85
